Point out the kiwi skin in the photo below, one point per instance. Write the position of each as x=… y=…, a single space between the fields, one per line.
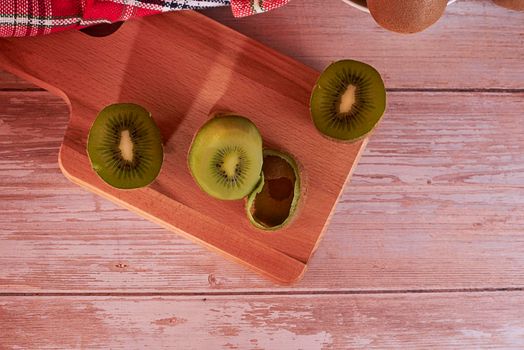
x=517 y=5
x=406 y=16
x=293 y=205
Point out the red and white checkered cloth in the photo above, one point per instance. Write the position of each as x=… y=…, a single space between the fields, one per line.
x=37 y=17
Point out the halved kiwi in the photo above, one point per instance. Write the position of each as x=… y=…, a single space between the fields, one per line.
x=225 y=157
x=348 y=100
x=125 y=146
x=273 y=203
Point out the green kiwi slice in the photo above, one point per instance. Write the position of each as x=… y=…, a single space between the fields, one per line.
x=348 y=100
x=125 y=146
x=225 y=157
x=272 y=205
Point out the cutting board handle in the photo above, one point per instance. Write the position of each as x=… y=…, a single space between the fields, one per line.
x=180 y=66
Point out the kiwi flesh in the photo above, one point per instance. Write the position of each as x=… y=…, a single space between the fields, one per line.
x=273 y=204
x=125 y=146
x=406 y=16
x=517 y=5
x=225 y=157
x=348 y=100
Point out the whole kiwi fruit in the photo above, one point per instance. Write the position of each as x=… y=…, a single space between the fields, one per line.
x=406 y=16
x=348 y=100
x=125 y=146
x=517 y=5
x=225 y=157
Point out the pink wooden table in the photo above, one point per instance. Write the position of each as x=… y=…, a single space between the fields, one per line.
x=426 y=249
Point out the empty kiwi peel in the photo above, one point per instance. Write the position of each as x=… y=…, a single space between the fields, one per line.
x=125 y=146
x=227 y=161
x=225 y=157
x=273 y=203
x=348 y=100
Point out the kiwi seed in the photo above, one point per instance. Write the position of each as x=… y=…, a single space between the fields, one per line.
x=517 y=5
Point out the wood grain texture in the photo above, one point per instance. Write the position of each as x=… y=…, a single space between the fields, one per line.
x=476 y=44
x=309 y=322
x=435 y=203
x=10 y=82
x=217 y=69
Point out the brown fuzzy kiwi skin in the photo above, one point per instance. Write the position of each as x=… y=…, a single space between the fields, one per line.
x=517 y=5
x=406 y=16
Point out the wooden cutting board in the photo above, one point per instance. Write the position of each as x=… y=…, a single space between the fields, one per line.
x=182 y=66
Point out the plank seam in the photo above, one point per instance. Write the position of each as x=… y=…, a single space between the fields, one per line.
x=268 y=293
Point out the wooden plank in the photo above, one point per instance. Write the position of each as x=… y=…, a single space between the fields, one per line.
x=435 y=203
x=447 y=139
x=88 y=245
x=474 y=45
x=217 y=69
x=10 y=82
x=394 y=321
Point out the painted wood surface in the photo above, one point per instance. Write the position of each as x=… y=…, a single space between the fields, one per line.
x=10 y=82
x=475 y=45
x=216 y=69
x=307 y=322
x=435 y=205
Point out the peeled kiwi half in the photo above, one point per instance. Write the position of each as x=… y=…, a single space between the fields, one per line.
x=227 y=162
x=225 y=157
x=125 y=146
x=406 y=16
x=348 y=100
x=273 y=203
